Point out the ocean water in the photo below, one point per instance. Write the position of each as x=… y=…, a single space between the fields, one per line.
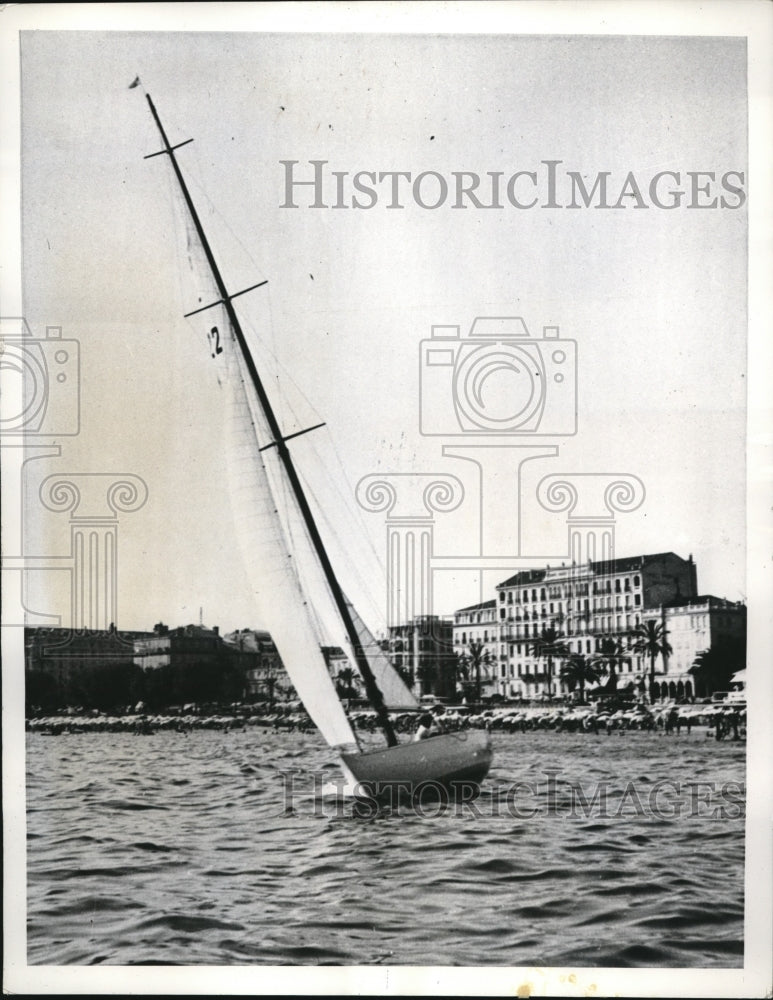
x=235 y=848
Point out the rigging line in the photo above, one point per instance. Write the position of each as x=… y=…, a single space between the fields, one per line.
x=338 y=480
x=220 y=302
x=214 y=211
x=357 y=509
x=289 y=437
x=374 y=694
x=257 y=267
x=351 y=563
x=354 y=512
x=290 y=410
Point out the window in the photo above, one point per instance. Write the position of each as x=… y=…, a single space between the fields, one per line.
x=637 y=600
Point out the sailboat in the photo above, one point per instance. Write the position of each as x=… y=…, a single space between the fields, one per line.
x=297 y=594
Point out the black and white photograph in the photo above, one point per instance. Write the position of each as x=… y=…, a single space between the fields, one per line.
x=386 y=465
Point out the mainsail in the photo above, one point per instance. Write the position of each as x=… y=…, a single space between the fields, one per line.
x=278 y=533
x=279 y=601
x=325 y=615
x=266 y=536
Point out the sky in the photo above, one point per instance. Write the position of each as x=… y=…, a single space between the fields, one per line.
x=653 y=300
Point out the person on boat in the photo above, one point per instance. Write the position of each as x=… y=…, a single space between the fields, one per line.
x=438 y=714
x=426 y=727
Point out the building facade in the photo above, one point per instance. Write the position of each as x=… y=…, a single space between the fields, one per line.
x=254 y=652
x=476 y=628
x=695 y=626
x=422 y=652
x=181 y=646
x=584 y=604
x=64 y=652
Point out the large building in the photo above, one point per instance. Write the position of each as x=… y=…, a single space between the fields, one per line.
x=476 y=629
x=694 y=626
x=181 y=646
x=256 y=655
x=585 y=604
x=422 y=652
x=63 y=652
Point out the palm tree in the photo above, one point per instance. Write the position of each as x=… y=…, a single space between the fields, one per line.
x=347 y=680
x=610 y=656
x=579 y=671
x=548 y=644
x=650 y=639
x=270 y=677
x=473 y=660
x=714 y=667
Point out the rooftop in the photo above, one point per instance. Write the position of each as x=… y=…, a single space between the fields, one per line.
x=478 y=607
x=623 y=565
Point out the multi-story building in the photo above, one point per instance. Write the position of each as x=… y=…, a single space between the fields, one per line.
x=181 y=646
x=584 y=604
x=64 y=652
x=477 y=626
x=693 y=626
x=422 y=652
x=254 y=653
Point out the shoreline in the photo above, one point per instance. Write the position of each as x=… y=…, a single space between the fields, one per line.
x=717 y=721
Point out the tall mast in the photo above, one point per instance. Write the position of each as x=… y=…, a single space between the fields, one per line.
x=371 y=687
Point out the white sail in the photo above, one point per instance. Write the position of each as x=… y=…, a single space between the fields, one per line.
x=393 y=688
x=330 y=627
x=276 y=532
x=270 y=564
x=280 y=604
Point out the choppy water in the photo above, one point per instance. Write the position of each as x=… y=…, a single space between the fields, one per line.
x=174 y=849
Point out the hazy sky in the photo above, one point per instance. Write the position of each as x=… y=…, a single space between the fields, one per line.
x=655 y=299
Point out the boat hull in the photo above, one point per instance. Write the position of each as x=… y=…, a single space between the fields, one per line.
x=449 y=765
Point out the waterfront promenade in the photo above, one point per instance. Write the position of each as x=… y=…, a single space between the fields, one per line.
x=723 y=720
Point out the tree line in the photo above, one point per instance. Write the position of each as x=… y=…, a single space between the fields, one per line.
x=113 y=687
